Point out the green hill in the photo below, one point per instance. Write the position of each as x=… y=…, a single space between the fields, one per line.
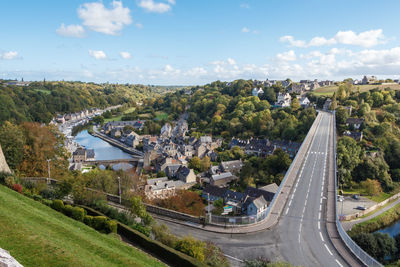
x=36 y=235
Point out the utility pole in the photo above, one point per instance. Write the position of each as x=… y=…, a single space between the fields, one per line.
x=48 y=171
x=119 y=189
x=208 y=207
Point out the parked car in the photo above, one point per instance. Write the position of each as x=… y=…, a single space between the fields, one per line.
x=361 y=208
x=356 y=197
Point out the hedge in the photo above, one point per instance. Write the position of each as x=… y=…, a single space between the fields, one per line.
x=58 y=205
x=88 y=220
x=161 y=251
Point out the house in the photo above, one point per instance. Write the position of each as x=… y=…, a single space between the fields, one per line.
x=354 y=122
x=116 y=133
x=171 y=170
x=259 y=147
x=327 y=104
x=369 y=80
x=304 y=102
x=299 y=88
x=233 y=166
x=257 y=192
x=255 y=206
x=186 y=175
x=355 y=135
x=222 y=179
x=79 y=155
x=272 y=188
x=213 y=192
x=132 y=139
x=163 y=162
x=286 y=83
x=159 y=188
x=201 y=151
x=137 y=125
x=257 y=91
x=283 y=100
x=90 y=155
x=288 y=146
x=60 y=119
x=166 y=130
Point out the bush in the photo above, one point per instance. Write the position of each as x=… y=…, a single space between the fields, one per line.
x=99 y=223
x=111 y=226
x=17 y=187
x=78 y=213
x=9 y=180
x=58 y=205
x=88 y=220
x=37 y=197
x=47 y=202
x=68 y=210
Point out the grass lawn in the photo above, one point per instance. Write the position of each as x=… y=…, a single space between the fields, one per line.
x=329 y=90
x=161 y=116
x=36 y=235
x=119 y=117
x=47 y=92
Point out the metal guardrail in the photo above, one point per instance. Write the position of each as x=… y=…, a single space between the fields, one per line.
x=359 y=252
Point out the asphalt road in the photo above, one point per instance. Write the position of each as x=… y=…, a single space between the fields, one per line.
x=301 y=236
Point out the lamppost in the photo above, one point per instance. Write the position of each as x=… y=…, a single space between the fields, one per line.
x=48 y=171
x=208 y=207
x=119 y=189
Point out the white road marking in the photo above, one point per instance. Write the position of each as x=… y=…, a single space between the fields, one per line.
x=319 y=225
x=233 y=258
x=328 y=250
x=287 y=210
x=319 y=215
x=338 y=262
x=322 y=238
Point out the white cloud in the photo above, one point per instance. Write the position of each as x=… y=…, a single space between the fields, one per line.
x=196 y=72
x=9 y=55
x=98 y=18
x=364 y=39
x=231 y=61
x=286 y=56
x=245 y=29
x=151 y=6
x=125 y=55
x=290 y=39
x=244 y=5
x=71 y=31
x=97 y=54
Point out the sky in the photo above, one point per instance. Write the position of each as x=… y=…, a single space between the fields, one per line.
x=191 y=42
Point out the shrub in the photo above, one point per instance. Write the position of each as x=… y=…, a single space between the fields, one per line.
x=9 y=180
x=88 y=220
x=99 y=223
x=37 y=197
x=17 y=187
x=47 y=202
x=58 y=205
x=192 y=247
x=68 y=210
x=78 y=213
x=111 y=226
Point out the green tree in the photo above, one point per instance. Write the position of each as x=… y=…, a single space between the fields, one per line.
x=12 y=141
x=191 y=247
x=371 y=187
x=205 y=163
x=348 y=157
x=195 y=163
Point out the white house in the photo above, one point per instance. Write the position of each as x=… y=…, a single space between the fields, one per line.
x=283 y=100
x=257 y=91
x=304 y=102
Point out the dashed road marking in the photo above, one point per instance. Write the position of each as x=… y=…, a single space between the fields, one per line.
x=328 y=250
x=322 y=238
x=338 y=262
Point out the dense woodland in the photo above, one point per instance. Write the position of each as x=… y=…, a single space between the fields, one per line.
x=40 y=101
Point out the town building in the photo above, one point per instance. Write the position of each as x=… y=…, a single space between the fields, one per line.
x=283 y=100
x=369 y=80
x=222 y=179
x=257 y=91
x=354 y=122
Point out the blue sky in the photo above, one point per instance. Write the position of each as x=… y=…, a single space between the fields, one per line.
x=187 y=42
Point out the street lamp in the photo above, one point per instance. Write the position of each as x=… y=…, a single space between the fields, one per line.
x=209 y=214
x=119 y=189
x=48 y=171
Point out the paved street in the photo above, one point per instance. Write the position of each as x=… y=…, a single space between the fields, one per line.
x=301 y=236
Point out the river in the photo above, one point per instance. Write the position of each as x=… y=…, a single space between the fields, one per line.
x=392 y=230
x=102 y=149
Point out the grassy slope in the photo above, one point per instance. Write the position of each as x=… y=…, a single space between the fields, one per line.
x=329 y=90
x=36 y=235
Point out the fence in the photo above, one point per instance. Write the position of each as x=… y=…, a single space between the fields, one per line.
x=361 y=254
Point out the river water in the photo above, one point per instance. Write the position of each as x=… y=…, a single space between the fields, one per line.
x=102 y=149
x=392 y=230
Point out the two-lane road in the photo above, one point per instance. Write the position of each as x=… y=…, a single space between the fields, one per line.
x=303 y=235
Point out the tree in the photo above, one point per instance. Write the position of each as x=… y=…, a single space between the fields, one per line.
x=137 y=207
x=195 y=163
x=191 y=247
x=368 y=243
x=295 y=104
x=372 y=187
x=12 y=141
x=341 y=115
x=386 y=245
x=205 y=163
x=348 y=157
x=98 y=119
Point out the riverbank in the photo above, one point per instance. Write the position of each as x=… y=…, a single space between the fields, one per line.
x=381 y=221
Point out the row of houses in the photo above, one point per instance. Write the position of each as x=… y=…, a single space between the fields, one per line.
x=253 y=201
x=63 y=118
x=265 y=147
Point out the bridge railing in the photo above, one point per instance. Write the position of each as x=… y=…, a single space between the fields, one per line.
x=359 y=252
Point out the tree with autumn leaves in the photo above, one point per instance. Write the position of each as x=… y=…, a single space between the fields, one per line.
x=28 y=146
